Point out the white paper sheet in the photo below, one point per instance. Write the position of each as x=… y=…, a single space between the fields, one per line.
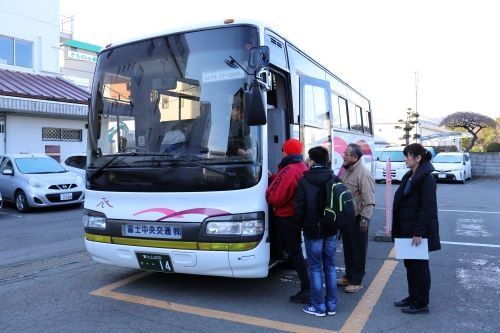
x=404 y=249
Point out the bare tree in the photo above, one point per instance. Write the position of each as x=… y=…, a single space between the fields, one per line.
x=472 y=122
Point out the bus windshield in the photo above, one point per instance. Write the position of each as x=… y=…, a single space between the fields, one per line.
x=167 y=115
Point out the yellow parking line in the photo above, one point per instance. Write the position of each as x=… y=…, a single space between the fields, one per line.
x=228 y=316
x=359 y=316
x=355 y=323
x=392 y=254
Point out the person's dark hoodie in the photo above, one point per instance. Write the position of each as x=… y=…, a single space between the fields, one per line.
x=310 y=200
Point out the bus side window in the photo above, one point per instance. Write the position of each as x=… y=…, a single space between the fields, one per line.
x=337 y=117
x=366 y=122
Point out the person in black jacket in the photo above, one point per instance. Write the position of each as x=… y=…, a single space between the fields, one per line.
x=319 y=241
x=415 y=216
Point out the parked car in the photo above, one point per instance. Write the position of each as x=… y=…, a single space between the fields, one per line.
x=38 y=180
x=452 y=166
x=75 y=163
x=398 y=165
x=432 y=150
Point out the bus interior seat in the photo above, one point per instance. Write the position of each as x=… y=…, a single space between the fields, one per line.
x=197 y=138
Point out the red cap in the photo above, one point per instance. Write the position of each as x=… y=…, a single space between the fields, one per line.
x=292 y=146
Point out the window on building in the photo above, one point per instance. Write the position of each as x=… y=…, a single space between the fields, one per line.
x=61 y=134
x=16 y=52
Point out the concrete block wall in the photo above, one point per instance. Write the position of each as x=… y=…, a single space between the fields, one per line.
x=485 y=165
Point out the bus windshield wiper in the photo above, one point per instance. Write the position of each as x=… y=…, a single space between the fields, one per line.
x=203 y=165
x=100 y=169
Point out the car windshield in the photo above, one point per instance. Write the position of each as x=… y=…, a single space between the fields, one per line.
x=394 y=156
x=443 y=158
x=32 y=165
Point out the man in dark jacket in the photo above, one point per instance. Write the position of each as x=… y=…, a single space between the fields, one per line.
x=319 y=240
x=415 y=216
x=280 y=195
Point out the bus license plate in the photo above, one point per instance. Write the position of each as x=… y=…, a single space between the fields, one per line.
x=155 y=262
x=66 y=196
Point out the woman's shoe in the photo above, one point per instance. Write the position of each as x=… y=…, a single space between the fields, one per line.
x=412 y=309
x=403 y=303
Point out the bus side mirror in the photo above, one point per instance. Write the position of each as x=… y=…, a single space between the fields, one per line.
x=255 y=106
x=258 y=57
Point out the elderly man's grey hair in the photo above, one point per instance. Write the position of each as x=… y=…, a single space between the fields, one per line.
x=356 y=150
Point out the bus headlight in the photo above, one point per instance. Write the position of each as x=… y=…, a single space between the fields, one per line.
x=249 y=224
x=94 y=220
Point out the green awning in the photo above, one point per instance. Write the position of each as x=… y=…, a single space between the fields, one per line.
x=83 y=46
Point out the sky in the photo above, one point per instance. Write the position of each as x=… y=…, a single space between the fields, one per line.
x=438 y=57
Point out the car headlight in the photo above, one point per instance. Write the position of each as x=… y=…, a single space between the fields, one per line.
x=79 y=180
x=249 y=224
x=94 y=220
x=380 y=166
x=36 y=183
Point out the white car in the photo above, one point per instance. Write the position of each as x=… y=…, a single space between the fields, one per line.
x=75 y=163
x=452 y=166
x=397 y=164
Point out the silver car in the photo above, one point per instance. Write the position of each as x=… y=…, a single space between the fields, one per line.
x=38 y=180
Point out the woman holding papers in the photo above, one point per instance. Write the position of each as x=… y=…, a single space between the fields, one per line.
x=415 y=216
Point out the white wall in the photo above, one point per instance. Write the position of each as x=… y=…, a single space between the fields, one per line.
x=36 y=21
x=24 y=134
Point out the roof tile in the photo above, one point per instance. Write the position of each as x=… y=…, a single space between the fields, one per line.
x=36 y=86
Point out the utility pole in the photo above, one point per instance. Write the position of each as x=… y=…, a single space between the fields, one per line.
x=415 y=114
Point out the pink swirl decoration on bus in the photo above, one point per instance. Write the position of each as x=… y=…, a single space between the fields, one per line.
x=340 y=145
x=168 y=213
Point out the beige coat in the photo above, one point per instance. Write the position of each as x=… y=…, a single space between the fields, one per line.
x=360 y=181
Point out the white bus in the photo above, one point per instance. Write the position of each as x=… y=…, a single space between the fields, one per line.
x=183 y=128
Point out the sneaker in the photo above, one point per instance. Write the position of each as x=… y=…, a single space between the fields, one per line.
x=331 y=312
x=302 y=297
x=312 y=310
x=353 y=288
x=343 y=281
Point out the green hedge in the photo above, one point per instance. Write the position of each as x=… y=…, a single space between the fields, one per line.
x=493 y=147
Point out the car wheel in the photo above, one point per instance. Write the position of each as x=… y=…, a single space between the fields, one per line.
x=21 y=202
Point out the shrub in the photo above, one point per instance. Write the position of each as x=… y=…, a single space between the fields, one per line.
x=493 y=147
x=441 y=149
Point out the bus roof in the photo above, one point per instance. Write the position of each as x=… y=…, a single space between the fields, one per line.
x=186 y=28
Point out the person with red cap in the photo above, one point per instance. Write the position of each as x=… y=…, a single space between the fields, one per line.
x=281 y=196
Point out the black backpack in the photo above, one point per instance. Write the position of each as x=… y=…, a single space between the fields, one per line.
x=339 y=213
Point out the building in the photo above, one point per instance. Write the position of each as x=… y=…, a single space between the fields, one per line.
x=77 y=61
x=40 y=110
x=431 y=134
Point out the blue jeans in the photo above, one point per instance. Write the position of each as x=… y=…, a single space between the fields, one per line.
x=321 y=259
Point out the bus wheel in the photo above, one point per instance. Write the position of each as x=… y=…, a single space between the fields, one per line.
x=21 y=202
